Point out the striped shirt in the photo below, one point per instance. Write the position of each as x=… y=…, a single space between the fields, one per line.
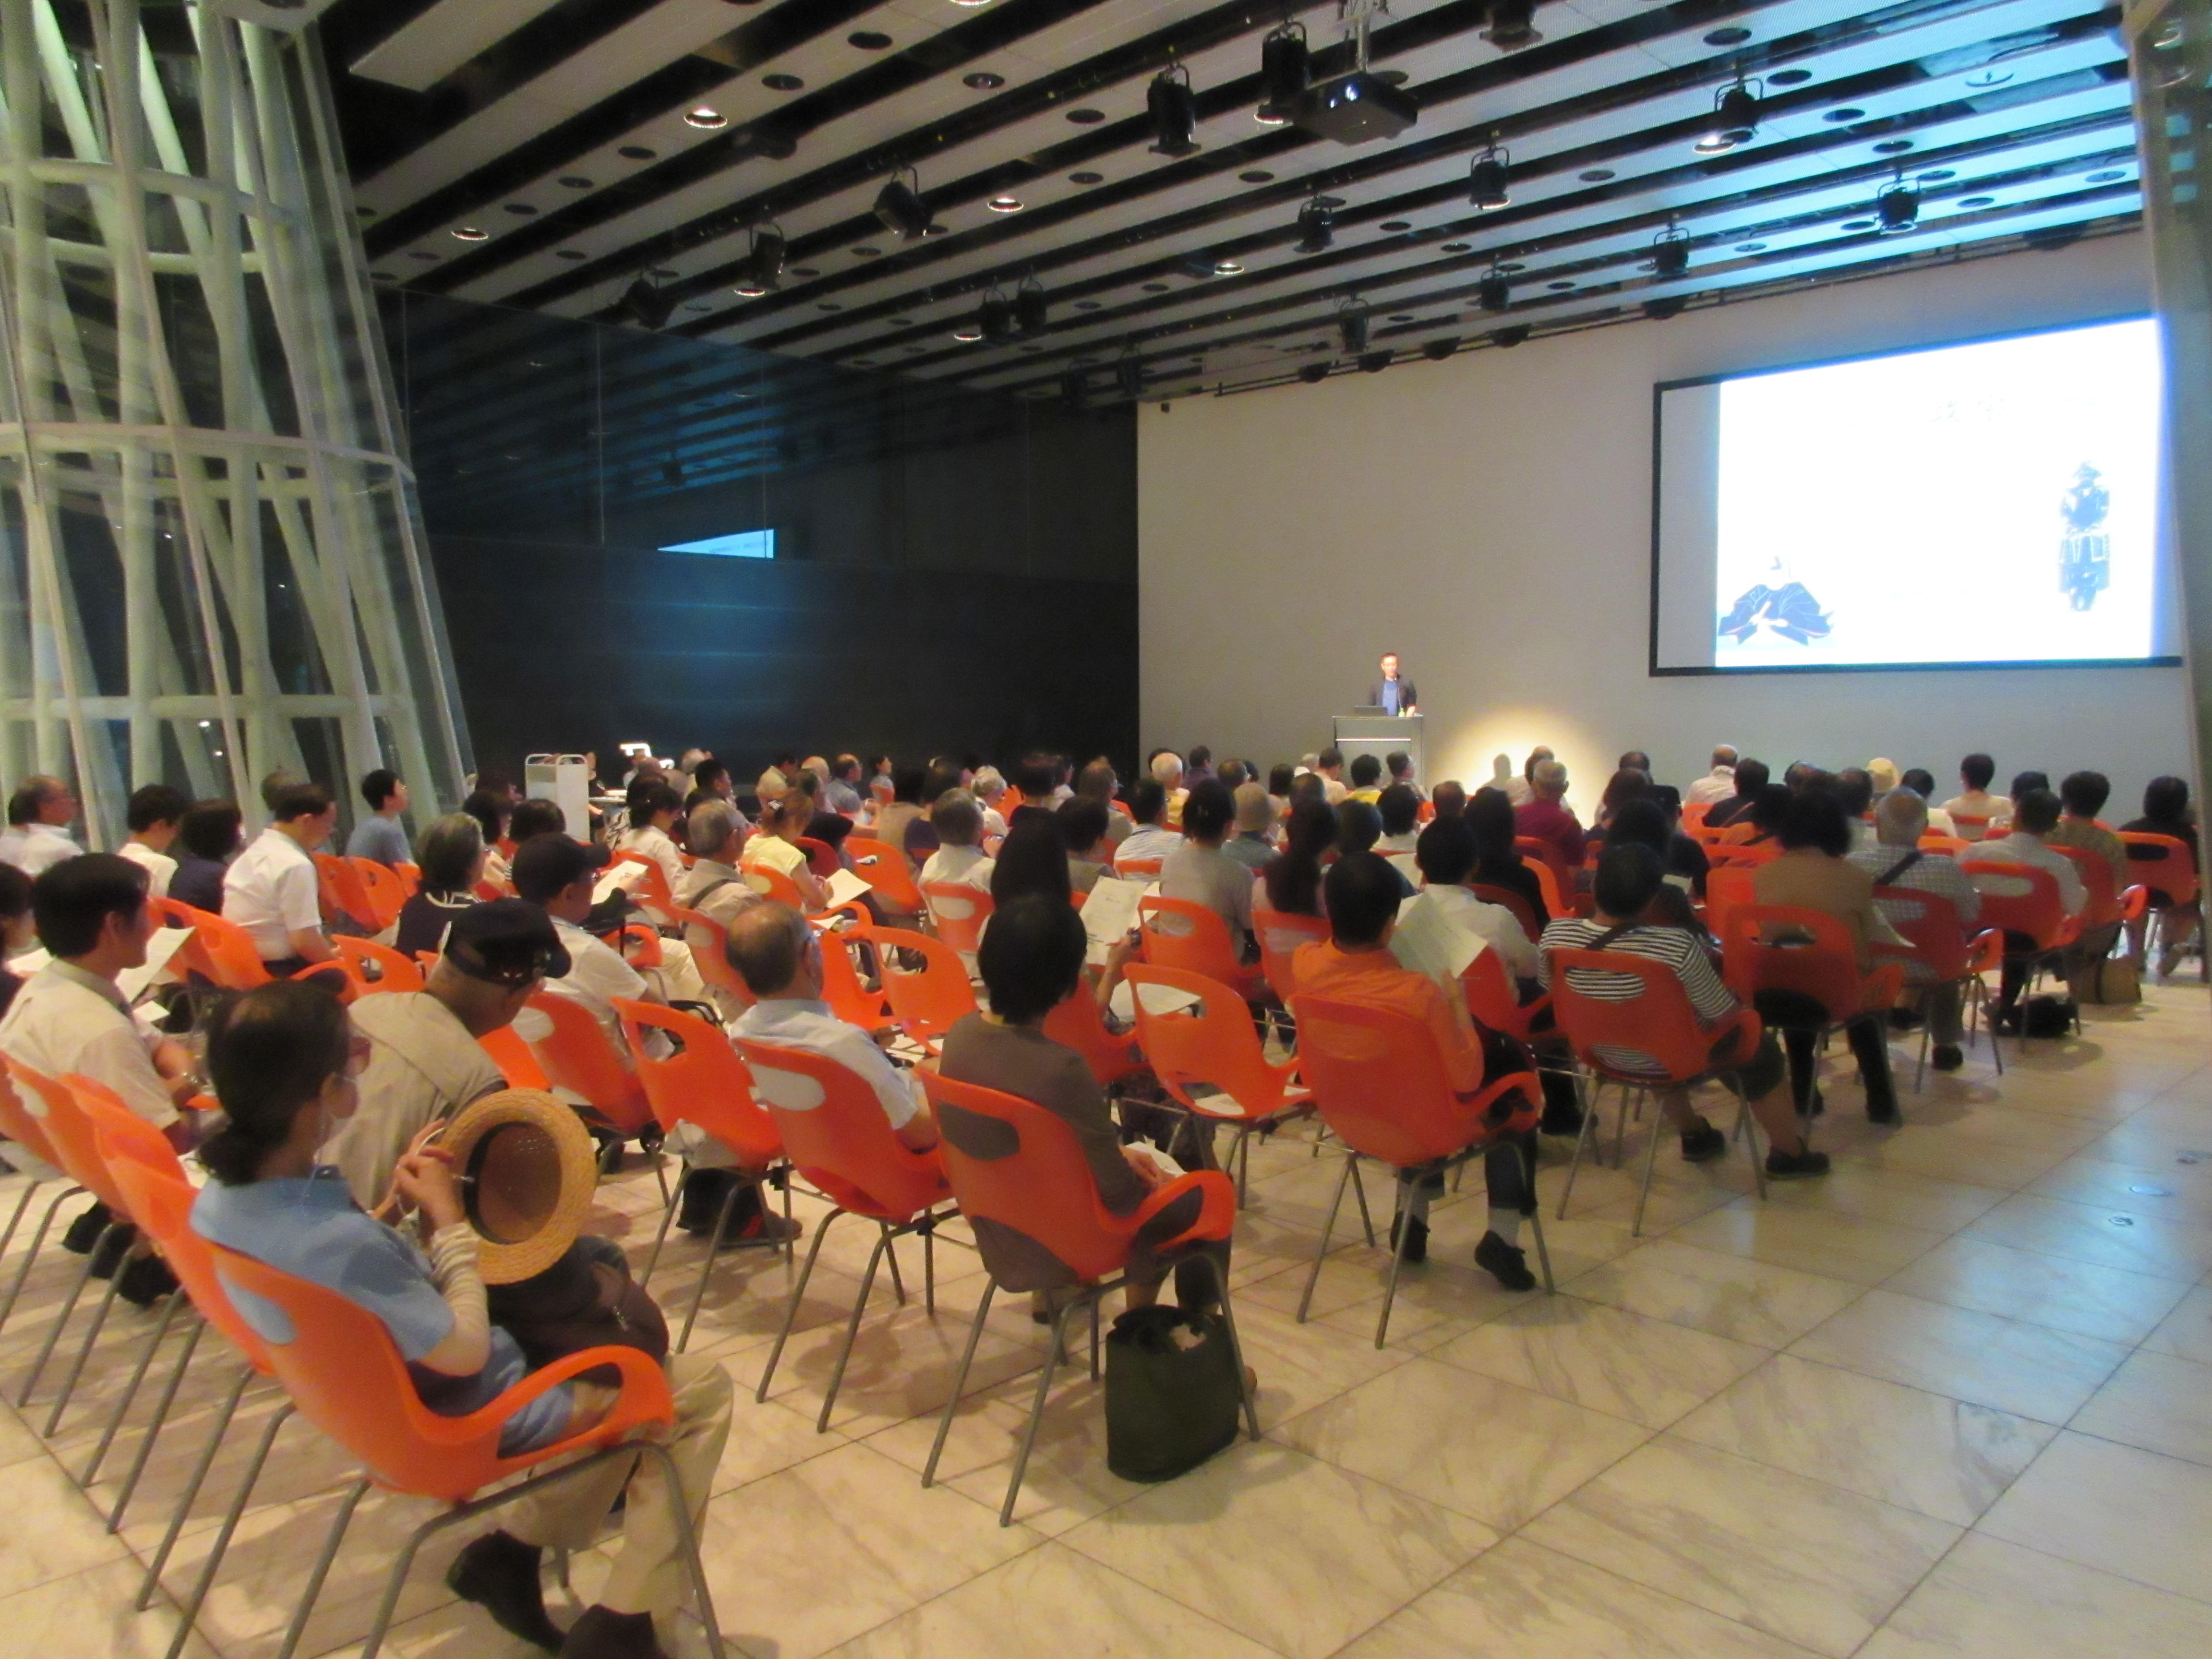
x=1712 y=1000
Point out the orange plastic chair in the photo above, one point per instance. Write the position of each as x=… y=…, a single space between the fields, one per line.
x=959 y=911
x=1693 y=815
x=1493 y=1001
x=394 y=970
x=1211 y=1045
x=1379 y=1082
x=345 y=1377
x=1654 y=1023
x=1951 y=847
x=849 y=999
x=885 y=869
x=1939 y=944
x=704 y=1084
x=386 y=892
x=410 y=878
x=1280 y=933
x=1077 y=1024
x=1178 y=933
x=516 y=1063
x=1729 y=888
x=1040 y=1186
x=649 y=889
x=1506 y=899
x=1137 y=869
x=836 y=1136
x=2020 y=898
x=577 y=1054
x=2166 y=863
x=1742 y=856
x=223 y=953
x=1788 y=947
x=711 y=955
x=926 y=1001
x=345 y=898
x=1970 y=827
x=1534 y=849
x=2106 y=905
x=821 y=857
x=21 y=1125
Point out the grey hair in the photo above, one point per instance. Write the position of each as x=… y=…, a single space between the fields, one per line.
x=1901 y=818
x=446 y=852
x=1549 y=774
x=712 y=826
x=989 y=783
x=1167 y=766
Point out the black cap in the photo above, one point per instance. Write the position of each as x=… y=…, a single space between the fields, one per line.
x=547 y=864
x=506 y=942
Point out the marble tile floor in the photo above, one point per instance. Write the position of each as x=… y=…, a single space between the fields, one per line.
x=1950 y=1401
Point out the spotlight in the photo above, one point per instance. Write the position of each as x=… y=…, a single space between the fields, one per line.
x=1316 y=226
x=1669 y=305
x=762 y=268
x=1670 y=252
x=996 y=317
x=1029 y=307
x=968 y=333
x=647 y=305
x=1314 y=373
x=1735 y=117
x=1284 y=72
x=1351 y=327
x=1173 y=111
x=1129 y=373
x=1486 y=180
x=1437 y=351
x=901 y=208
x=1374 y=362
x=1511 y=25
x=1899 y=204
x=1494 y=292
x=1510 y=337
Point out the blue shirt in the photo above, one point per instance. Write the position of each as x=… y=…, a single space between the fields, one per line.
x=313 y=1231
x=380 y=838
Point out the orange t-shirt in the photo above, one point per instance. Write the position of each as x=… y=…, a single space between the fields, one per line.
x=1374 y=979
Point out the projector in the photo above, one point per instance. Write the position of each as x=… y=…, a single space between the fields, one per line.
x=1355 y=107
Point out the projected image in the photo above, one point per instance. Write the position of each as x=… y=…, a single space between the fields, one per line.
x=1992 y=502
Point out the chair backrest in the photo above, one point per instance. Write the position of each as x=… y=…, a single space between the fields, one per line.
x=834 y=1131
x=1953 y=847
x=410 y=878
x=1493 y=1000
x=516 y=1063
x=1557 y=892
x=1211 y=1041
x=1506 y=899
x=1280 y=934
x=1039 y=1184
x=1077 y=1024
x=703 y=1082
x=821 y=857
x=2164 y=862
x=1747 y=855
x=774 y=884
x=386 y=892
x=2020 y=899
x=885 y=869
x=1626 y=1014
x=710 y=954
x=959 y=911
x=1178 y=933
x=219 y=950
x=1789 y=947
x=27 y=1127
x=1378 y=1081
x=1969 y=826
x=848 y=999
x=1534 y=849
x=68 y=1131
x=1727 y=889
x=1137 y=869
x=577 y=1054
x=1931 y=925
x=378 y=967
x=928 y=997
x=344 y=896
x=1693 y=815
x=2105 y=903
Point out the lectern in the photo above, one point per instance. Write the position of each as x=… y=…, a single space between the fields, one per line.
x=1380 y=735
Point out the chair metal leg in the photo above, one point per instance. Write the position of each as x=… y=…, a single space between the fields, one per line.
x=852 y=1331
x=791 y=1310
x=706 y=1267
x=1321 y=1249
x=31 y=1256
x=890 y=1249
x=61 y=1318
x=1235 y=1345
x=1094 y=1338
x=1620 y=1123
x=959 y=1380
x=1749 y=1126
x=1406 y=1189
x=15 y=1220
x=668 y=1216
x=169 y=1305
x=154 y=1424
x=680 y=1511
x=192 y=1487
x=1036 y=1412
x=191 y=1608
x=84 y=1351
x=929 y=1266
x=1588 y=1101
x=1651 y=1160
x=1536 y=1216
x=1359 y=1193
x=321 y=1570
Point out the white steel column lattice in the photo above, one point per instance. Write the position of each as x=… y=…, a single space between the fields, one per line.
x=211 y=562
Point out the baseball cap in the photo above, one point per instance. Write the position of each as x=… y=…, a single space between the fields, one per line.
x=546 y=864
x=506 y=942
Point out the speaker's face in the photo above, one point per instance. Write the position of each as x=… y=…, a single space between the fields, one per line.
x=516 y=1182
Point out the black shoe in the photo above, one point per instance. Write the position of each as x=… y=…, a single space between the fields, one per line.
x=113 y=1247
x=1904 y=1019
x=1561 y=1118
x=602 y=1633
x=144 y=1280
x=1948 y=1057
x=1417 y=1240
x=498 y=1573
x=1506 y=1263
x=1703 y=1144
x=1885 y=1113
x=704 y=1191
x=84 y=1232
x=1795 y=1166
x=2006 y=1020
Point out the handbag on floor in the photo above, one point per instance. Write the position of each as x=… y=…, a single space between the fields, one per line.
x=1172 y=1392
x=2106 y=980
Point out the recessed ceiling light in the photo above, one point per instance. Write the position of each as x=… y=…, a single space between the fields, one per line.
x=1989 y=77
x=866 y=252
x=1394 y=225
x=1978 y=202
x=1750 y=247
x=1713 y=144
x=1455 y=247
x=1788 y=77
x=1257 y=176
x=982 y=80
x=1086 y=305
x=971 y=4
x=417 y=253
x=471 y=233
x=1728 y=37
x=1510 y=269
x=781 y=82
x=868 y=41
x=1938 y=176
x=969 y=332
x=1845 y=114
x=1087 y=178
x=1082 y=117
x=705 y=120
x=1227 y=268
x=520 y=209
x=570 y=253
x=636 y=153
x=1893 y=147
x=2108 y=175
x=1858 y=224
x=751 y=288
x=1156 y=288
x=1595 y=175
x=1005 y=204
x=1401 y=316
x=573 y=181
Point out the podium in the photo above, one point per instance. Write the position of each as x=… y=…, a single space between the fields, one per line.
x=1380 y=735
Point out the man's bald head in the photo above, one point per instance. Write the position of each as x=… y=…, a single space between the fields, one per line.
x=768 y=947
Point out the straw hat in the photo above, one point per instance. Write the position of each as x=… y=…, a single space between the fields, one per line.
x=528 y=1172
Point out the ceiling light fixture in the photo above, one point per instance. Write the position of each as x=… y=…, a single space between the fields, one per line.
x=1005 y=204
x=996 y=317
x=1285 y=70
x=968 y=333
x=900 y=206
x=1031 y=308
x=1489 y=176
x=1314 y=373
x=1129 y=372
x=1670 y=251
x=647 y=305
x=1374 y=362
x=705 y=120
x=1352 y=319
x=1511 y=25
x=1437 y=351
x=1355 y=107
x=1494 y=292
x=763 y=264
x=1316 y=225
x=1898 y=206
x=1735 y=117
x=1173 y=107
x=471 y=233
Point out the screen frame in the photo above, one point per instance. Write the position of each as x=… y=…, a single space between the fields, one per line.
x=1659 y=389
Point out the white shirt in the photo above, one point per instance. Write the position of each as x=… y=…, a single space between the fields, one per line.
x=1716 y=786
x=961 y=864
x=271 y=891
x=597 y=974
x=33 y=847
x=65 y=1019
x=654 y=844
x=1494 y=923
x=1398 y=846
x=2021 y=847
x=1149 y=841
x=794 y=1022
x=1978 y=803
x=1519 y=791
x=158 y=866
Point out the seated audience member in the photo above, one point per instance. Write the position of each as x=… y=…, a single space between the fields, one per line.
x=1446 y=857
x=1815 y=873
x=842 y=793
x=1882 y=774
x=2167 y=811
x=39 y=813
x=270 y=889
x=1280 y=777
x=492 y=812
x=1921 y=783
x=1400 y=809
x=1082 y=826
x=940 y=779
x=1854 y=792
x=1310 y=786
x=535 y=817
x=1253 y=843
x=1354 y=965
x=1548 y=817
x=777 y=848
x=274 y=786
x=19 y=930
x=1895 y=861
x=1167 y=769
x=1366 y=779
x=1328 y=766
x=1033 y=861
x=1398 y=768
x=1521 y=790
x=1767 y=815
x=380 y=836
x=779 y=957
x=1498 y=862
x=1359 y=829
x=714 y=886
x=1199 y=872
x=152 y=819
x=1717 y=784
x=1751 y=777
x=1031 y=784
x=1629 y=878
x=1646 y=822
x=1973 y=801
x=1199 y=765
x=710 y=781
x=782 y=772
x=1448 y=798
x=879 y=779
x=425 y=1061
x=1290 y=883
x=283 y=1058
x=2034 y=815
x=1627 y=784
x=1151 y=840
x=1097 y=782
x=1633 y=760
x=2083 y=796
x=451 y=855
x=959 y=856
x=656 y=808
x=2021 y=783
x=207 y=841
x=1031 y=959
x=900 y=813
x=990 y=790
x=1233 y=775
x=557 y=875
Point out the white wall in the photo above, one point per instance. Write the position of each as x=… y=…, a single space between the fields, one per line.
x=1489 y=517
